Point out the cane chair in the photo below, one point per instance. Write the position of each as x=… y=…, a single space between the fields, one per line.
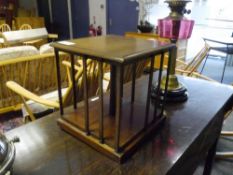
x=3 y=28
x=25 y=27
x=52 y=103
x=127 y=72
x=191 y=68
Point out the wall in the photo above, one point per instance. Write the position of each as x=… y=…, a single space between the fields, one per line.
x=97 y=13
x=29 y=4
x=68 y=18
x=122 y=16
x=43 y=10
x=80 y=18
x=60 y=18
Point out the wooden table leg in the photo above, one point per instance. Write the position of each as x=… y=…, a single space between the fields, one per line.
x=118 y=107
x=112 y=106
x=59 y=81
x=210 y=159
x=73 y=81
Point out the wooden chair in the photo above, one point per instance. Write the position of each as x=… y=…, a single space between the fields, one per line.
x=25 y=27
x=92 y=78
x=3 y=28
x=222 y=47
x=92 y=73
x=128 y=70
x=37 y=73
x=190 y=68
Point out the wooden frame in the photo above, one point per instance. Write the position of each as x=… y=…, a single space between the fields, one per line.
x=110 y=138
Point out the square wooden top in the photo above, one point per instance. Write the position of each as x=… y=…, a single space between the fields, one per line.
x=113 y=48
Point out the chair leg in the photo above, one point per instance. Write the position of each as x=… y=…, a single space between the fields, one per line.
x=224 y=68
x=224 y=154
x=204 y=63
x=31 y=115
x=227 y=133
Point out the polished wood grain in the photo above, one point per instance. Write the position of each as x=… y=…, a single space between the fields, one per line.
x=123 y=134
x=111 y=48
x=190 y=130
x=181 y=44
x=118 y=51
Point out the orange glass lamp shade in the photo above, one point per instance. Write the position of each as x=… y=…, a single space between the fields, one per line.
x=175 y=29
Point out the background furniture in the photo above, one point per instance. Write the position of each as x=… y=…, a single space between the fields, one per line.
x=223 y=45
x=34 y=22
x=50 y=100
x=25 y=27
x=190 y=68
x=178 y=148
x=3 y=28
x=37 y=73
x=181 y=44
x=35 y=37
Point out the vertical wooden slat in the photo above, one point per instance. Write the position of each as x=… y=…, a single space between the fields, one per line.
x=122 y=80
x=133 y=82
x=25 y=74
x=86 y=104
x=157 y=100
x=101 y=104
x=112 y=105
x=118 y=107
x=149 y=91
x=73 y=81
x=59 y=81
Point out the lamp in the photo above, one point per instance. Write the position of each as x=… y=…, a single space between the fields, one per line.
x=175 y=27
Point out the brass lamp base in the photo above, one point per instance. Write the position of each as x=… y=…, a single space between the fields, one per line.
x=176 y=91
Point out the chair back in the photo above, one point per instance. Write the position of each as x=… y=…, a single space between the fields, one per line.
x=4 y=28
x=193 y=65
x=25 y=27
x=92 y=82
x=92 y=79
x=36 y=73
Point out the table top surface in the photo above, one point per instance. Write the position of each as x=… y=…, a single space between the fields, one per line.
x=45 y=149
x=113 y=48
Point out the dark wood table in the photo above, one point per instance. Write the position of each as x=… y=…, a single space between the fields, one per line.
x=189 y=133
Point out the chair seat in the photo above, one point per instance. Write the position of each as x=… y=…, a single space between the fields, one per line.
x=40 y=110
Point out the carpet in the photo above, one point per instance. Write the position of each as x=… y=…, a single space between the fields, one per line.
x=10 y=121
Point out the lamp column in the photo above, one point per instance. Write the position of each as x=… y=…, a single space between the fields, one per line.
x=175 y=26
